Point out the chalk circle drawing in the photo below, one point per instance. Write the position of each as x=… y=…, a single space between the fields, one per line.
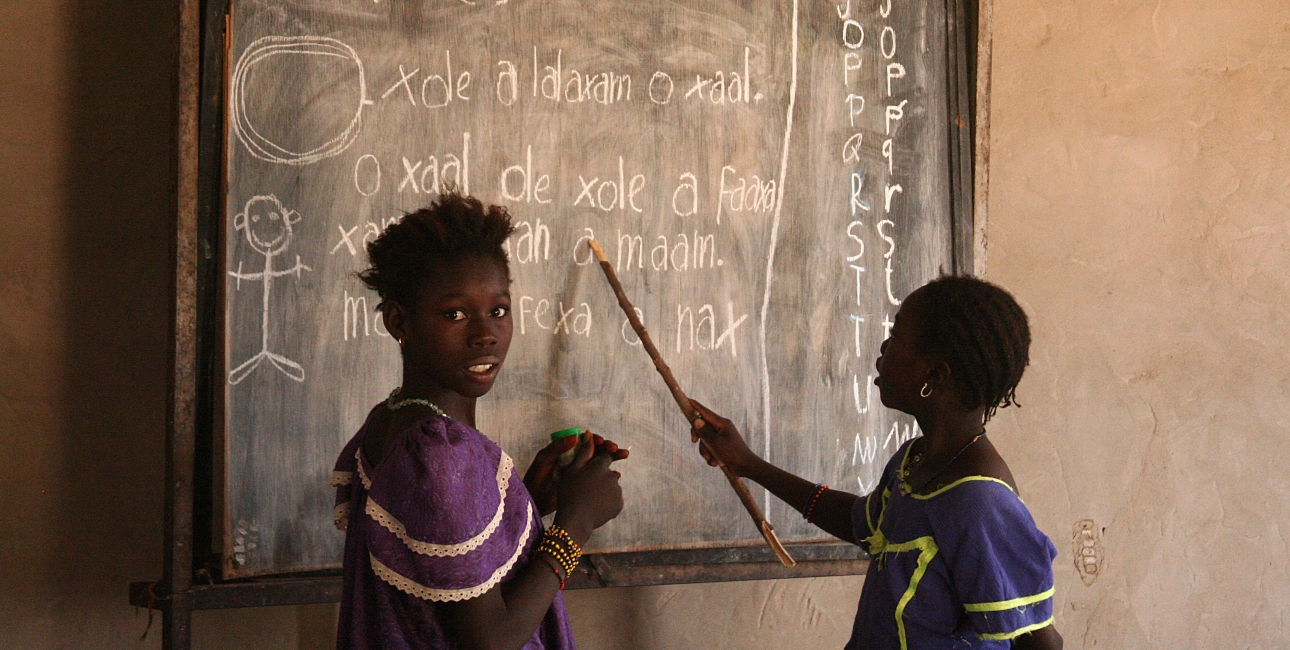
x=268 y=228
x=1086 y=546
x=266 y=48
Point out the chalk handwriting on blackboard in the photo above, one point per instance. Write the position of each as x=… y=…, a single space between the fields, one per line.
x=865 y=450
x=436 y=90
x=897 y=436
x=266 y=48
x=766 y=209
x=552 y=316
x=356 y=312
x=774 y=239
x=268 y=228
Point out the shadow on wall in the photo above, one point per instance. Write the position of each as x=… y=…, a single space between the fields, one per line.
x=116 y=217
x=626 y=610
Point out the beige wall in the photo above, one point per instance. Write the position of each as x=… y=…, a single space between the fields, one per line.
x=84 y=110
x=1139 y=207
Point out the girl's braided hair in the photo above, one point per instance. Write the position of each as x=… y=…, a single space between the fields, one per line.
x=980 y=331
x=411 y=250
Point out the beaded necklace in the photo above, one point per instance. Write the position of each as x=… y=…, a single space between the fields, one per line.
x=904 y=473
x=395 y=405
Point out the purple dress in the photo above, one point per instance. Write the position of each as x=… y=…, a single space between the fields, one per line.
x=963 y=567
x=444 y=517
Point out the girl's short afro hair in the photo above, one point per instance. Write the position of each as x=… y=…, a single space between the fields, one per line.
x=410 y=251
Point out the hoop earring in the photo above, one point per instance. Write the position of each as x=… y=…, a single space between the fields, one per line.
x=926 y=391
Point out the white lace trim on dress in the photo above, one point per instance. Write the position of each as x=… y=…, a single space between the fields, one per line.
x=341 y=513
x=413 y=588
x=339 y=478
x=384 y=518
x=362 y=475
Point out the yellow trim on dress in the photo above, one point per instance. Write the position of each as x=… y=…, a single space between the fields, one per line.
x=924 y=497
x=1002 y=605
x=927 y=549
x=880 y=546
x=877 y=541
x=1018 y=632
x=965 y=479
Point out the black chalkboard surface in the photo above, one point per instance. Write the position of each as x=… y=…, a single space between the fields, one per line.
x=769 y=179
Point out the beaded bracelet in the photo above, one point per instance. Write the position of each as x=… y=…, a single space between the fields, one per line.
x=820 y=489
x=557 y=543
x=561 y=534
x=568 y=560
x=563 y=561
x=556 y=571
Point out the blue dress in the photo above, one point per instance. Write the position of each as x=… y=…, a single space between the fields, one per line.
x=963 y=567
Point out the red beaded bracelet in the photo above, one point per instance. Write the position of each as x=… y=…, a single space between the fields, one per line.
x=815 y=498
x=557 y=577
x=557 y=574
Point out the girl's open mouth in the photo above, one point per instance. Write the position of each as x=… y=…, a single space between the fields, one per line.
x=483 y=370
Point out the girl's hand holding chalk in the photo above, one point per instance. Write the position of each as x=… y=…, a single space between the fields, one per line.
x=587 y=492
x=540 y=477
x=724 y=446
x=609 y=447
x=543 y=474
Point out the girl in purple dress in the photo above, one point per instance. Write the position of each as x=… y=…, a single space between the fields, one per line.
x=957 y=561
x=444 y=544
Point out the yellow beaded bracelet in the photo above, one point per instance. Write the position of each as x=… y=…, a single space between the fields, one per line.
x=567 y=563
x=559 y=544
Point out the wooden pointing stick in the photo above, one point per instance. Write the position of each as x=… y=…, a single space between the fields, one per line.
x=767 y=531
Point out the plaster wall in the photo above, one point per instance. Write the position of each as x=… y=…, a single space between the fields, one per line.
x=84 y=114
x=1139 y=207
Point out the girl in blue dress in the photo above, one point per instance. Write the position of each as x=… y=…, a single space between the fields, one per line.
x=957 y=559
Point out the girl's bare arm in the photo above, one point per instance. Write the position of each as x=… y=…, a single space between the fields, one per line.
x=833 y=511
x=506 y=616
x=1045 y=638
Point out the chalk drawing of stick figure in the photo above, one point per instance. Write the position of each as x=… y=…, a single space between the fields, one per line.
x=268 y=230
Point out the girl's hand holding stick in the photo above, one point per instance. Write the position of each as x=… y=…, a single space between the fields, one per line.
x=691 y=415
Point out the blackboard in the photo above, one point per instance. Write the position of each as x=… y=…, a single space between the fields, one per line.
x=770 y=179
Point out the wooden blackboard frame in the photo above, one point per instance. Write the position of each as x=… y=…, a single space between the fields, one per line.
x=190 y=577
